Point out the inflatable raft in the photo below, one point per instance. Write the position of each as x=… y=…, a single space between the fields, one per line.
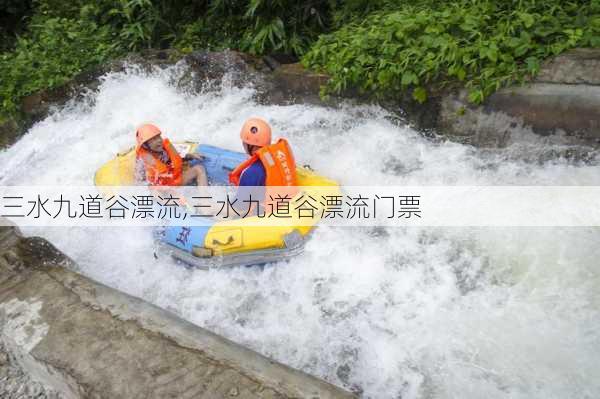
x=227 y=242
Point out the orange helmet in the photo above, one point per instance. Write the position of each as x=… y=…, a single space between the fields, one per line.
x=145 y=132
x=257 y=132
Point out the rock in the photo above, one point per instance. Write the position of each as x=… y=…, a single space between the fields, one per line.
x=549 y=107
x=16 y=383
x=84 y=339
x=563 y=101
x=577 y=66
x=569 y=111
x=296 y=80
x=9 y=233
x=9 y=131
x=208 y=69
x=283 y=58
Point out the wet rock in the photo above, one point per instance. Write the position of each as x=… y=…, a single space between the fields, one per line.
x=84 y=339
x=564 y=100
x=295 y=80
x=343 y=373
x=282 y=58
x=38 y=251
x=9 y=233
x=573 y=111
x=207 y=69
x=577 y=66
x=549 y=107
x=212 y=66
x=9 y=131
x=16 y=383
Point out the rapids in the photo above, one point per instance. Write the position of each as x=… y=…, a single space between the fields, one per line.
x=387 y=313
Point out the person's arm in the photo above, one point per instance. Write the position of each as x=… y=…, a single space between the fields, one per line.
x=193 y=156
x=140 y=172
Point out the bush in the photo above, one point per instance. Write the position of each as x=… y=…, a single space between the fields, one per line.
x=12 y=14
x=285 y=26
x=138 y=23
x=383 y=47
x=259 y=26
x=211 y=34
x=55 y=51
x=424 y=45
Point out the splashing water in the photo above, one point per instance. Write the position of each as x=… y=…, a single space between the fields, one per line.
x=387 y=313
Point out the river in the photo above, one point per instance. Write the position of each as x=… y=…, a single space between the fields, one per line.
x=387 y=313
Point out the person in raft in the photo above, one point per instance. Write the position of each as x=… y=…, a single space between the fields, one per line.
x=160 y=164
x=270 y=172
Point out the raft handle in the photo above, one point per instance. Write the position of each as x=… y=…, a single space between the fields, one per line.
x=229 y=241
x=201 y=252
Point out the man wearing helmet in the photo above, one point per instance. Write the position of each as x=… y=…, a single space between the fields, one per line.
x=160 y=164
x=270 y=172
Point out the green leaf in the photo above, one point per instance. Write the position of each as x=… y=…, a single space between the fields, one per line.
x=527 y=19
x=533 y=65
x=475 y=96
x=420 y=94
x=409 y=78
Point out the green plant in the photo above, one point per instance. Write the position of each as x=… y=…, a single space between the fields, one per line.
x=55 y=51
x=383 y=47
x=209 y=34
x=425 y=45
x=258 y=26
x=12 y=15
x=286 y=26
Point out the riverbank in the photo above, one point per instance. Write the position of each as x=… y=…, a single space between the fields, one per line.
x=84 y=339
x=562 y=104
x=16 y=383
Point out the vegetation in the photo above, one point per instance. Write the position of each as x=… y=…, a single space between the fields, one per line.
x=382 y=47
x=54 y=51
x=12 y=13
x=481 y=44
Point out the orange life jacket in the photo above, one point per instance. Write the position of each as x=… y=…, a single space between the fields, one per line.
x=280 y=168
x=159 y=173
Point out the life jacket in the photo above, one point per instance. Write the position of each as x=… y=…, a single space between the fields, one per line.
x=280 y=168
x=159 y=173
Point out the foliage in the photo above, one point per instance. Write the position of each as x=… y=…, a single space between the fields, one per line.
x=259 y=26
x=355 y=10
x=482 y=44
x=251 y=25
x=138 y=23
x=12 y=14
x=277 y=25
x=56 y=50
x=383 y=47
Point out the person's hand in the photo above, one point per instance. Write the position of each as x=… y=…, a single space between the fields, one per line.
x=197 y=156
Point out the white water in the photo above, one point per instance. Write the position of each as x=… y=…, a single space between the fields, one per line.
x=411 y=313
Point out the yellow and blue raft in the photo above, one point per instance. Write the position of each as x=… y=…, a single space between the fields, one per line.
x=227 y=242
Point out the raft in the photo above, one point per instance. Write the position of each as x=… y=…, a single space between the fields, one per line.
x=226 y=243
